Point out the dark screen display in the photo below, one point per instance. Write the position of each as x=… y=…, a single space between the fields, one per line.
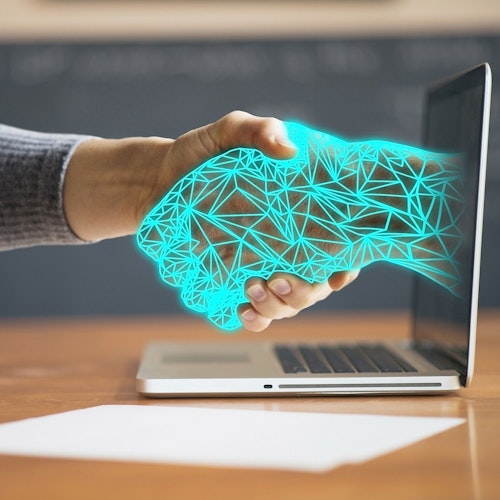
x=454 y=123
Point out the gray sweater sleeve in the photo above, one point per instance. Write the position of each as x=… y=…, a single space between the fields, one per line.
x=32 y=169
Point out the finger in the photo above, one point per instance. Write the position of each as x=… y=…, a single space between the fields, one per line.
x=265 y=303
x=239 y=128
x=296 y=292
x=252 y=320
x=236 y=129
x=339 y=280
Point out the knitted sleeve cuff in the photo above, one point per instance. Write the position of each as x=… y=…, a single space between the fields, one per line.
x=32 y=170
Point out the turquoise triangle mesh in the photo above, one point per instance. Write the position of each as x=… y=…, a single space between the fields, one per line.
x=337 y=205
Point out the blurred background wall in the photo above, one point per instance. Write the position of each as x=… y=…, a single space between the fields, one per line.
x=116 y=69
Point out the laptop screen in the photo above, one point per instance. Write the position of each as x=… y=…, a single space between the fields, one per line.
x=456 y=120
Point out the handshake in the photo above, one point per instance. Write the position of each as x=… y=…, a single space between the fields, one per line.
x=336 y=206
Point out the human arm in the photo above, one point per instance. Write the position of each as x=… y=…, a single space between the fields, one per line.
x=388 y=201
x=111 y=184
x=32 y=169
x=101 y=188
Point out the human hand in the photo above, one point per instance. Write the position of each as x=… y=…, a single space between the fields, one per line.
x=282 y=295
x=285 y=295
x=335 y=206
x=187 y=234
x=111 y=184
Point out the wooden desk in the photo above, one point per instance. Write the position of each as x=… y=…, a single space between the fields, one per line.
x=52 y=366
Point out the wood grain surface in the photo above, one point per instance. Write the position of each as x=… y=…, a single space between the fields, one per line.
x=48 y=367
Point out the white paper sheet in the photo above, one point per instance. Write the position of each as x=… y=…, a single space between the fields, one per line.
x=311 y=442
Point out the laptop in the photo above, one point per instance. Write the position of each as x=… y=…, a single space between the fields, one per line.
x=439 y=356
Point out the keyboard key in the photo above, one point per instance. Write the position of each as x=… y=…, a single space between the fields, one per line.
x=313 y=360
x=336 y=359
x=407 y=367
x=289 y=361
x=359 y=360
x=382 y=358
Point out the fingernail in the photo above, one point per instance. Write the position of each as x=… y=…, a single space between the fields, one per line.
x=257 y=293
x=280 y=286
x=249 y=315
x=284 y=141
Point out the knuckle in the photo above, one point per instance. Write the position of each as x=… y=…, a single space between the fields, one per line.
x=269 y=309
x=232 y=118
x=228 y=128
x=263 y=309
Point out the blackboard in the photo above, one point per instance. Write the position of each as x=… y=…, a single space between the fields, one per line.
x=357 y=88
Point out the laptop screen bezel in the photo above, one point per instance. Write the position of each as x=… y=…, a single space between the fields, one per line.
x=479 y=76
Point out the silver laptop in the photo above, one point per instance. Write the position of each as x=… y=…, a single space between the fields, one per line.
x=440 y=355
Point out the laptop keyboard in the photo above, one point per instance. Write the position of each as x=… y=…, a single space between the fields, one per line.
x=439 y=360
x=360 y=358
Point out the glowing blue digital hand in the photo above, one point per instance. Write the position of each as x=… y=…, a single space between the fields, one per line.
x=336 y=206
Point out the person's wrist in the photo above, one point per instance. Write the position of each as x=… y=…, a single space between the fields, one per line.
x=110 y=184
x=147 y=175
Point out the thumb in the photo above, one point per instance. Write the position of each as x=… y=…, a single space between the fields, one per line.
x=236 y=129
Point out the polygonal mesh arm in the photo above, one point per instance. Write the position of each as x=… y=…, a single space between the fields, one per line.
x=336 y=206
